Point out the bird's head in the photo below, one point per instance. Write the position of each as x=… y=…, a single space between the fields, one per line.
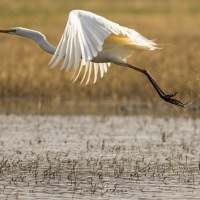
x=15 y=31
x=25 y=32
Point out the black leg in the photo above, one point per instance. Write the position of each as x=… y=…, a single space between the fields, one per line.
x=163 y=95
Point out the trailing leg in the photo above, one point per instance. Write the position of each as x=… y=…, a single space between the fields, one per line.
x=162 y=94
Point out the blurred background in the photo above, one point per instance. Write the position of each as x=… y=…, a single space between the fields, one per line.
x=28 y=85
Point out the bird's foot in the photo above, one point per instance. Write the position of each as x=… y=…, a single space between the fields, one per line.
x=171 y=95
x=169 y=99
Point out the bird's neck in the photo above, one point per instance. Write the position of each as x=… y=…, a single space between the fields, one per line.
x=46 y=46
x=40 y=39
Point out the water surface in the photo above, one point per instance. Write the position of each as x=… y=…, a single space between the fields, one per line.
x=102 y=157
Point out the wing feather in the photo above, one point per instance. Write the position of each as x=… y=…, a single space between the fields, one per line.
x=91 y=43
x=89 y=73
x=89 y=47
x=56 y=53
x=95 y=72
x=77 y=52
x=61 y=51
x=86 y=69
x=80 y=69
x=83 y=39
x=71 y=56
x=66 y=59
x=101 y=69
x=105 y=67
x=83 y=53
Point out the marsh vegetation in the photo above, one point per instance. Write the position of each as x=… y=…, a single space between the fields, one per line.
x=105 y=157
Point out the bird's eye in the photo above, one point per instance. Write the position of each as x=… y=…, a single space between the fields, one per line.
x=14 y=30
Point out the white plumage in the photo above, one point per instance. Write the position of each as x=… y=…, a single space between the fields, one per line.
x=92 y=42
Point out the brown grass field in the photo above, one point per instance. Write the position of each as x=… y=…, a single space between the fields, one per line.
x=24 y=70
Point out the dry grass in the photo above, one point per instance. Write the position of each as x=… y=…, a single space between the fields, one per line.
x=24 y=71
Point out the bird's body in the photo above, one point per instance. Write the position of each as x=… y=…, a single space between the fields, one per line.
x=92 y=43
x=117 y=47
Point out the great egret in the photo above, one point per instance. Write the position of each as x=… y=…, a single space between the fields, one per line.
x=92 y=42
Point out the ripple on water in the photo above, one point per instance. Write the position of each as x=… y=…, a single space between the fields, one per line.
x=103 y=157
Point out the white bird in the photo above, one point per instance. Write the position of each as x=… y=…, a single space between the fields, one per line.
x=92 y=42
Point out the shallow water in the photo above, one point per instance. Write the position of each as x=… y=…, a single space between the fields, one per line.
x=102 y=157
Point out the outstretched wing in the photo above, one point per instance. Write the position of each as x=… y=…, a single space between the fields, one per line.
x=84 y=37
